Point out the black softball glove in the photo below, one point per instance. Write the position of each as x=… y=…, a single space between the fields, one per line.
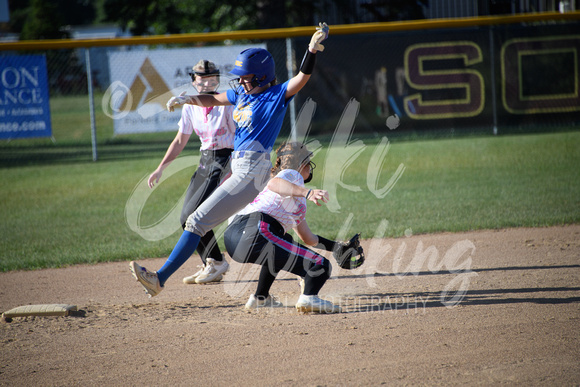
x=349 y=255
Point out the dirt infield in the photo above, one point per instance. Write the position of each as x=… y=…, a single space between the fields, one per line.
x=485 y=307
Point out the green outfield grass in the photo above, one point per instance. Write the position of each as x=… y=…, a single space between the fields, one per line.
x=471 y=183
x=72 y=210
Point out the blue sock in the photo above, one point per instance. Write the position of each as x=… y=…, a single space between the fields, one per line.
x=181 y=253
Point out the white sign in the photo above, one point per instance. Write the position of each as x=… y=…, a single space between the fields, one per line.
x=143 y=81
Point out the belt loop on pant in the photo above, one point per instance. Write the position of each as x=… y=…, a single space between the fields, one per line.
x=240 y=154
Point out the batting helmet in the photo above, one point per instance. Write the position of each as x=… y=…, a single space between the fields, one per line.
x=255 y=61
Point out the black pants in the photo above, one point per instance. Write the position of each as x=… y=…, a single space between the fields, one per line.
x=213 y=167
x=258 y=238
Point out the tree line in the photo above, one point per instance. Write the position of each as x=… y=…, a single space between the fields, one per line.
x=43 y=19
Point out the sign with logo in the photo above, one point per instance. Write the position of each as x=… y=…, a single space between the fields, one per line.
x=24 y=103
x=143 y=81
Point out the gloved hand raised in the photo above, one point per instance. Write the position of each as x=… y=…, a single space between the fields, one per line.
x=320 y=35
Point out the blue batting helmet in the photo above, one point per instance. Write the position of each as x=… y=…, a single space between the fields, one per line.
x=255 y=61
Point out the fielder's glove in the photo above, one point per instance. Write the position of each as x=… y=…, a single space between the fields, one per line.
x=320 y=35
x=181 y=99
x=349 y=255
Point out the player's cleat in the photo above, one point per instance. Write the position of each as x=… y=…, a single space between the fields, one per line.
x=213 y=271
x=191 y=279
x=147 y=278
x=316 y=304
x=255 y=303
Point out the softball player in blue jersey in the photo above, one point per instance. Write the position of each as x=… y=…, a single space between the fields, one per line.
x=216 y=130
x=258 y=233
x=260 y=106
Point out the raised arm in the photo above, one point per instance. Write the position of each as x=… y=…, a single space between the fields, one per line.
x=297 y=82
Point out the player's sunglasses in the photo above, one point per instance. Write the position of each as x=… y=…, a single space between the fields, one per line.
x=312 y=165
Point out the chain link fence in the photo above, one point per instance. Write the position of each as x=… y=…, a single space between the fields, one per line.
x=491 y=79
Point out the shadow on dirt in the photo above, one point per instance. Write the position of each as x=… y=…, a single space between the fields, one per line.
x=419 y=301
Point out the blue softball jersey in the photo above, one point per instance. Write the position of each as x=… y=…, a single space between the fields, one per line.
x=258 y=117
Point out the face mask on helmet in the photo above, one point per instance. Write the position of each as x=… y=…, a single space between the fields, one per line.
x=205 y=84
x=205 y=77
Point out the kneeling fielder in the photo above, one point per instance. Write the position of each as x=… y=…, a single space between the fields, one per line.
x=258 y=235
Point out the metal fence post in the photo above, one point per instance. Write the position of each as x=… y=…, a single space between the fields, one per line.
x=493 y=80
x=290 y=67
x=91 y=103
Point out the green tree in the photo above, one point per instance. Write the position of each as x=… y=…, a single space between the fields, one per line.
x=43 y=21
x=395 y=10
x=35 y=19
x=143 y=17
x=38 y=19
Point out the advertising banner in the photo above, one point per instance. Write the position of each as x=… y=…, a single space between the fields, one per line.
x=472 y=78
x=143 y=81
x=24 y=101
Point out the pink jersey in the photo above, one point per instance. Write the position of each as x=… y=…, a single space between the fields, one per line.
x=289 y=211
x=214 y=126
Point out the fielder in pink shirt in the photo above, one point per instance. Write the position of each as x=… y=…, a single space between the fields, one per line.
x=258 y=233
